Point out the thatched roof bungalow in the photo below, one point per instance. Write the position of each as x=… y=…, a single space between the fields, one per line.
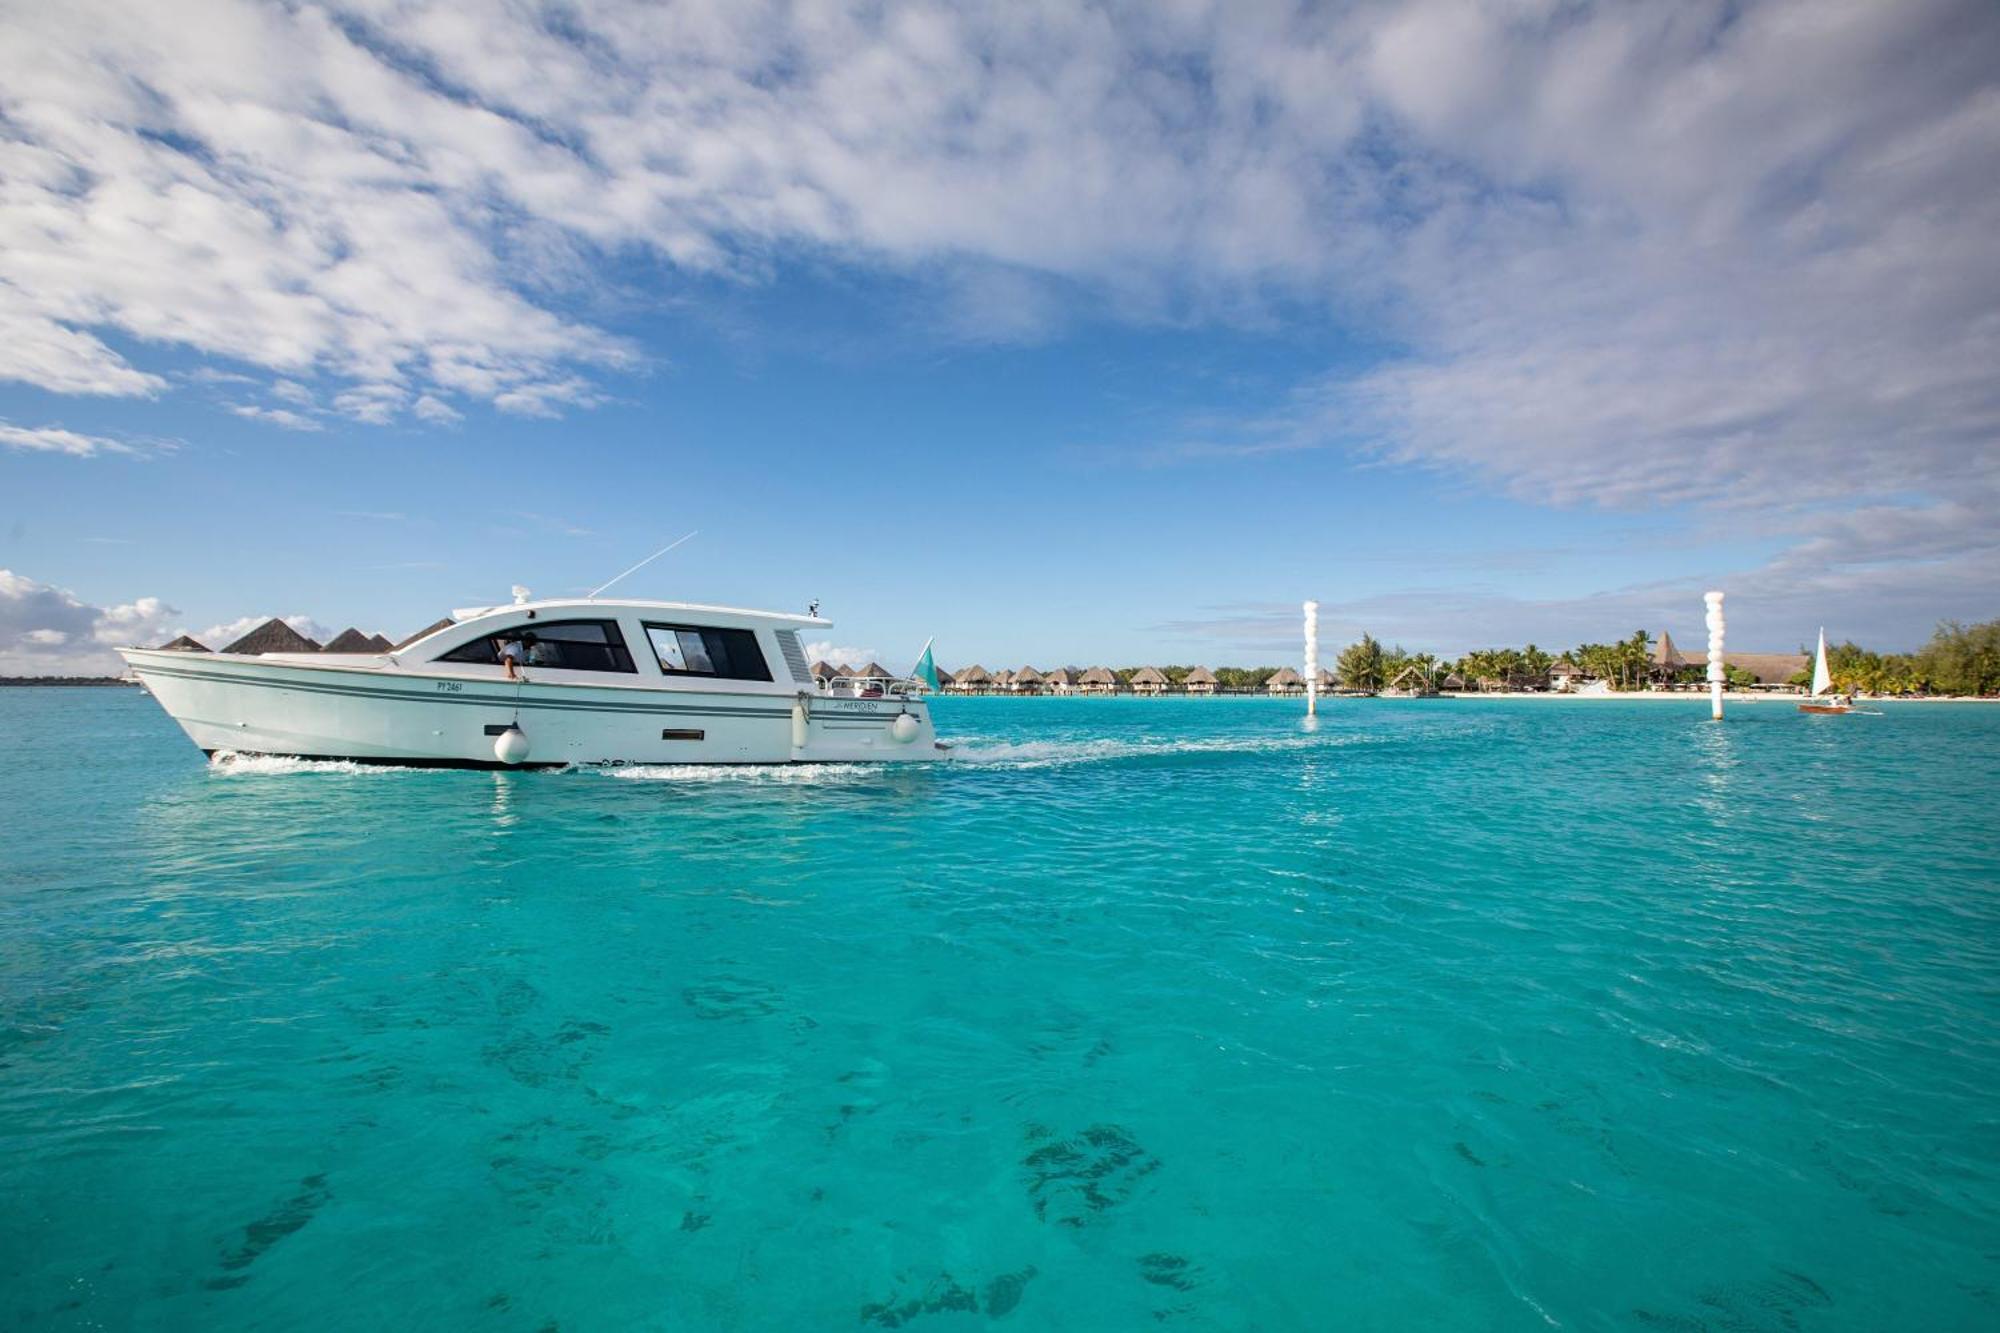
x=1454 y=681
x=1026 y=681
x=970 y=680
x=1564 y=675
x=1286 y=681
x=273 y=636
x=876 y=671
x=1150 y=680
x=1097 y=680
x=1412 y=682
x=184 y=644
x=1059 y=680
x=350 y=640
x=1667 y=660
x=824 y=671
x=1201 y=681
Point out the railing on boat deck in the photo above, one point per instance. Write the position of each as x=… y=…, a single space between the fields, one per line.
x=871 y=687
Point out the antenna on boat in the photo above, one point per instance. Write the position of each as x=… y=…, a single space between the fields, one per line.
x=641 y=565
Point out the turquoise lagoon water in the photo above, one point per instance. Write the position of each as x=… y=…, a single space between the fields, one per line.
x=1449 y=1015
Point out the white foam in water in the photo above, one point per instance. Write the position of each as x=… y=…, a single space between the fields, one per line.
x=1049 y=754
x=228 y=763
x=798 y=775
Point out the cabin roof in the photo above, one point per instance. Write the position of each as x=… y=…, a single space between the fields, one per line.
x=1059 y=676
x=1027 y=675
x=1097 y=676
x=424 y=633
x=1201 y=676
x=612 y=605
x=273 y=636
x=1665 y=654
x=1285 y=676
x=184 y=643
x=972 y=675
x=1149 y=676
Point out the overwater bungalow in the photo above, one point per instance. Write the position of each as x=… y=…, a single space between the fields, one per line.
x=1327 y=681
x=1060 y=680
x=1097 y=680
x=876 y=671
x=970 y=680
x=1003 y=679
x=184 y=644
x=1026 y=681
x=1286 y=681
x=943 y=677
x=1201 y=681
x=273 y=636
x=1150 y=680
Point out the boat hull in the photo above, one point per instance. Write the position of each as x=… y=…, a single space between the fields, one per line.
x=374 y=712
x=1826 y=708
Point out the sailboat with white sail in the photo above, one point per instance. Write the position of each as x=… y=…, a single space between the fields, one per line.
x=1824 y=700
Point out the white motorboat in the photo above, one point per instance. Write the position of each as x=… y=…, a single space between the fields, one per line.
x=597 y=682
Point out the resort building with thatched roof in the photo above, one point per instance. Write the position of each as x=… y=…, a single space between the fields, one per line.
x=1150 y=680
x=273 y=636
x=1412 y=682
x=1201 y=681
x=423 y=633
x=970 y=680
x=184 y=643
x=1059 y=680
x=1328 y=682
x=380 y=643
x=1565 y=676
x=876 y=671
x=1452 y=681
x=1772 y=670
x=1003 y=679
x=351 y=640
x=1025 y=681
x=1097 y=680
x=1286 y=681
x=1667 y=661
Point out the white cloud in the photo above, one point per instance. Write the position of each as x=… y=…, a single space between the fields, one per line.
x=48 y=631
x=825 y=650
x=54 y=439
x=1737 y=256
x=276 y=416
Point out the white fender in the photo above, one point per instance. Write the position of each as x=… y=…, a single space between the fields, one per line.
x=904 y=729
x=511 y=746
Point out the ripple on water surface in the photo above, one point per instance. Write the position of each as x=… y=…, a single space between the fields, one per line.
x=1454 y=1015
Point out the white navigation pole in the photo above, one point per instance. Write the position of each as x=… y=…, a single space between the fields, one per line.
x=1717 y=676
x=1312 y=658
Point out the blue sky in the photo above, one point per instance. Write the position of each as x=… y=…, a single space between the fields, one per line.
x=1065 y=334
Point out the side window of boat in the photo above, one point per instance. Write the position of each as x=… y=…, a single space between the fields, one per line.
x=698 y=650
x=565 y=645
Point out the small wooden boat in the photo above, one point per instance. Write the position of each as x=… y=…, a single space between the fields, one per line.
x=1824 y=700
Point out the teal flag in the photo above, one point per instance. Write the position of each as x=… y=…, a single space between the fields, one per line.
x=926 y=669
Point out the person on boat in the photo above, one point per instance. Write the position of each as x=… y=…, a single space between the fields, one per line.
x=514 y=655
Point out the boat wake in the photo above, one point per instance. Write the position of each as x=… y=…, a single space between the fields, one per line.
x=1052 y=754
x=228 y=763
x=794 y=775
